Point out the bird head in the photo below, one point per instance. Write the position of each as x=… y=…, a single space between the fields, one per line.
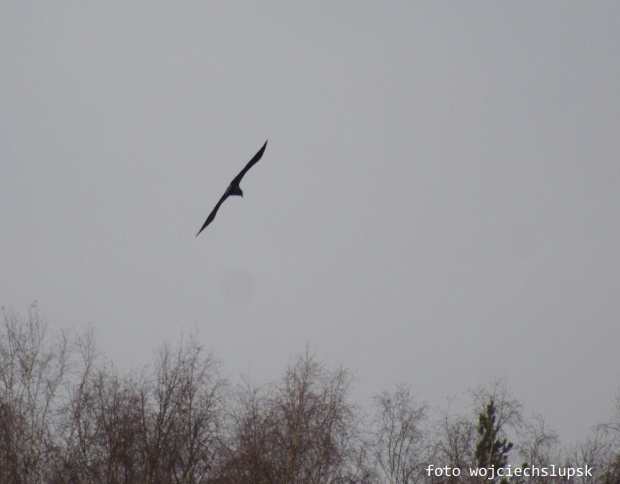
x=236 y=190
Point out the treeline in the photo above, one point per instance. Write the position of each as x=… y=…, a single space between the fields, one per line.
x=68 y=416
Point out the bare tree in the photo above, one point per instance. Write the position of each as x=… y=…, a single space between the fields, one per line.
x=316 y=428
x=597 y=452
x=31 y=374
x=601 y=451
x=182 y=416
x=301 y=429
x=454 y=446
x=457 y=443
x=103 y=437
x=508 y=410
x=538 y=446
x=67 y=417
x=399 y=444
x=77 y=424
x=159 y=428
x=250 y=453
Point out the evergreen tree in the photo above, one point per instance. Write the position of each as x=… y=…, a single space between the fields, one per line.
x=491 y=450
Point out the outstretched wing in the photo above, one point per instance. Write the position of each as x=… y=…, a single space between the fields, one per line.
x=214 y=212
x=250 y=164
x=234 y=184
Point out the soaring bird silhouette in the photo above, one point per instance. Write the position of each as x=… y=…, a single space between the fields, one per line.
x=234 y=188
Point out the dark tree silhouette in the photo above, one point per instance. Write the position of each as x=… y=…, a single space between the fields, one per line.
x=491 y=450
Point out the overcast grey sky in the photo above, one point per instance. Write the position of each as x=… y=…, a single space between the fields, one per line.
x=437 y=204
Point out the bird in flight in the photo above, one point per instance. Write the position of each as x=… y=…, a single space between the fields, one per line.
x=233 y=188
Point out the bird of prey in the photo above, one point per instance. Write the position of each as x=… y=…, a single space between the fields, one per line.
x=234 y=188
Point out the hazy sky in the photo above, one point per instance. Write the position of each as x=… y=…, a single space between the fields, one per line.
x=438 y=203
